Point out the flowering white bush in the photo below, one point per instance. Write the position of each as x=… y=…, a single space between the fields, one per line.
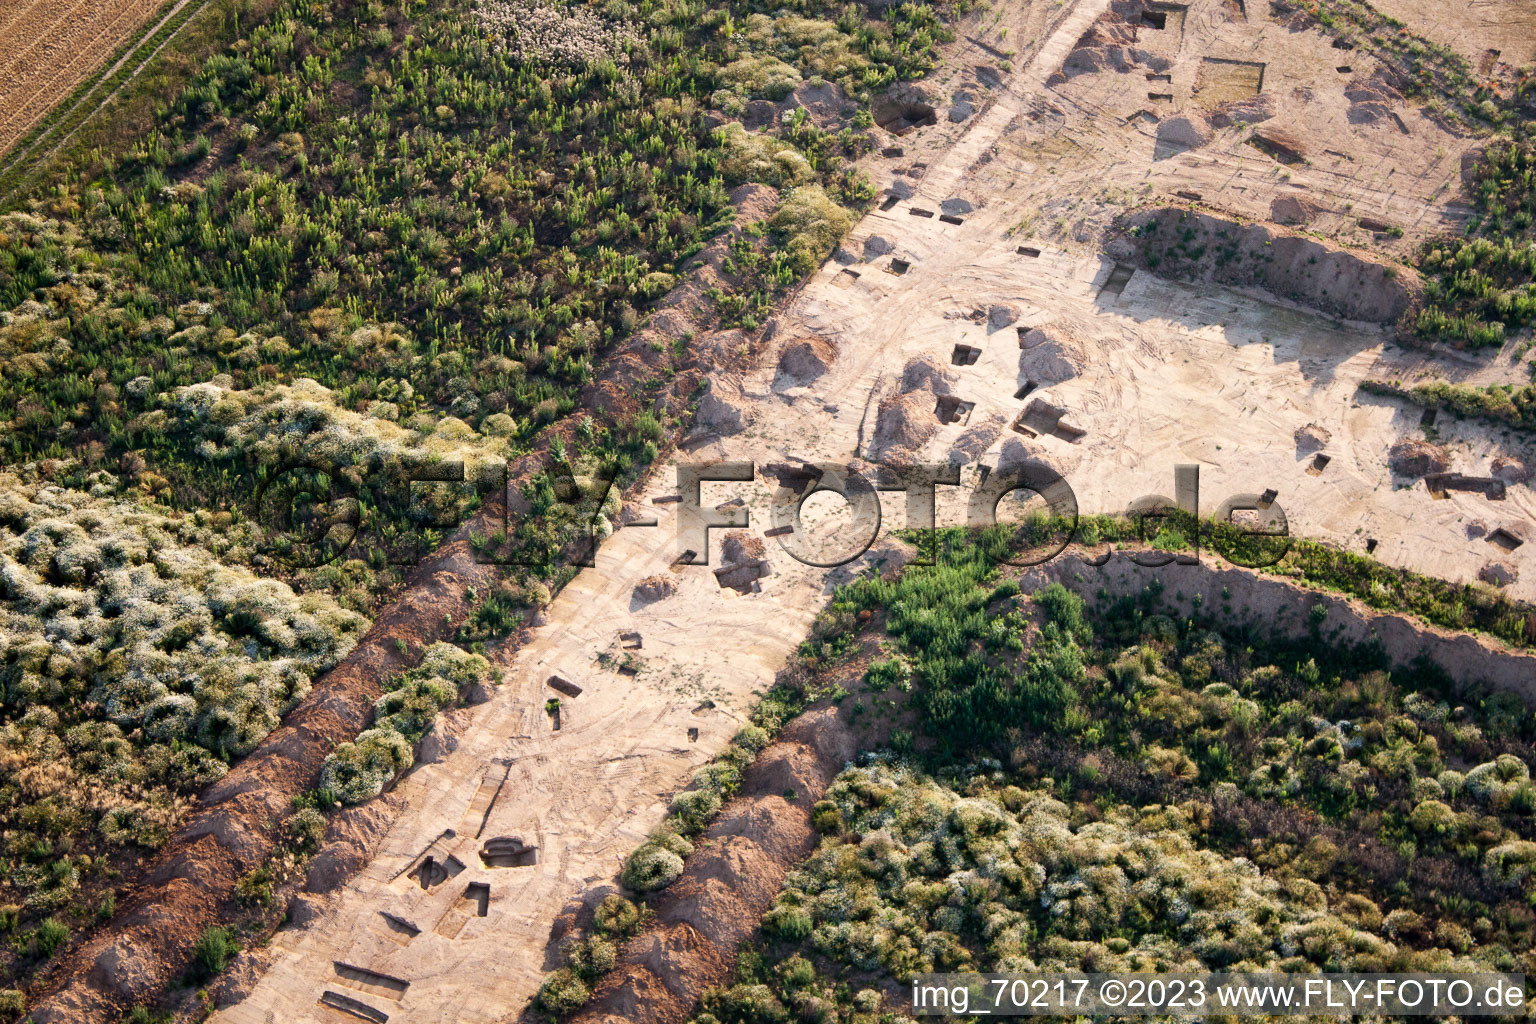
x=104 y=600
x=555 y=34
x=302 y=424
x=360 y=770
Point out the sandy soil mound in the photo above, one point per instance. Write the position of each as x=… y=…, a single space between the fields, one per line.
x=1048 y=357
x=906 y=420
x=1292 y=210
x=876 y=246
x=1311 y=438
x=977 y=438
x=1250 y=111
x=744 y=564
x=1511 y=470
x=1417 y=458
x=1190 y=245
x=723 y=411
x=1109 y=45
x=1000 y=315
x=1500 y=574
x=1371 y=99
x=805 y=359
x=654 y=588
x=1181 y=134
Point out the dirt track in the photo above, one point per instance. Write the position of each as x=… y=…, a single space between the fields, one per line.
x=48 y=46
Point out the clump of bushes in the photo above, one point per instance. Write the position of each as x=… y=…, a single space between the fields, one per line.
x=359 y=770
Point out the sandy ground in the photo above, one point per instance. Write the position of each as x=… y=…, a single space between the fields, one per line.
x=48 y=46
x=1168 y=373
x=1478 y=27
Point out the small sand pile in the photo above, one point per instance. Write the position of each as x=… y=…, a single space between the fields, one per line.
x=1371 y=99
x=1253 y=110
x=1047 y=357
x=805 y=359
x=1001 y=314
x=1311 y=438
x=1291 y=210
x=906 y=420
x=1511 y=470
x=1180 y=134
x=723 y=411
x=1500 y=574
x=654 y=588
x=1417 y=458
x=977 y=438
x=876 y=246
x=744 y=565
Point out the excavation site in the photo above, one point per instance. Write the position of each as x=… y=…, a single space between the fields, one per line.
x=521 y=511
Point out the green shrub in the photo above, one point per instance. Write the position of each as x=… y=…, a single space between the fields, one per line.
x=12 y=1004
x=656 y=863
x=212 y=952
x=563 y=991
x=306 y=828
x=616 y=916
x=50 y=935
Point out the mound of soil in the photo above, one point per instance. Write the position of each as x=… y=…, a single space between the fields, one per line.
x=744 y=565
x=1047 y=357
x=1292 y=210
x=1417 y=458
x=723 y=411
x=1191 y=245
x=1181 y=134
x=977 y=438
x=1371 y=99
x=805 y=359
x=905 y=420
x=654 y=588
x=1311 y=438
x=1500 y=574
x=876 y=246
x=1254 y=110
x=1511 y=470
x=1001 y=314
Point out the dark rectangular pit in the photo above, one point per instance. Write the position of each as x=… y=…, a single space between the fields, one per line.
x=1504 y=540
x=920 y=213
x=1028 y=250
x=965 y=355
x=900 y=267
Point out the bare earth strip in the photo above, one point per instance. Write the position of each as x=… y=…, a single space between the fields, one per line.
x=48 y=46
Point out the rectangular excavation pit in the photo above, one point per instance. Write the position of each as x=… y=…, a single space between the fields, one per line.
x=632 y=641
x=1319 y=463
x=949 y=218
x=431 y=872
x=1428 y=417
x=845 y=278
x=508 y=852
x=1504 y=540
x=893 y=151
x=965 y=355
x=900 y=118
x=1225 y=81
x=1441 y=484
x=779 y=531
x=1164 y=17
x=1028 y=250
x=1166 y=79
x=686 y=558
x=1268 y=497
x=478 y=895
x=1042 y=417
x=899 y=267
x=890 y=201
x=371 y=982
x=952 y=410
x=354 y=1008
x=1189 y=194
x=1160 y=97
x=1024 y=391
x=920 y=213
x=1370 y=545
x=1118 y=278
x=1343 y=44
x=564 y=686
x=398 y=928
x=1155 y=19
x=1344 y=69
